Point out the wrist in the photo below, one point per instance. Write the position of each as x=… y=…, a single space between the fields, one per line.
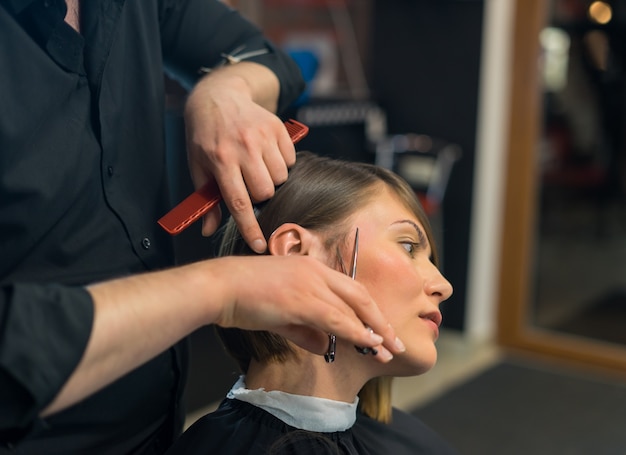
x=212 y=294
x=224 y=81
x=250 y=79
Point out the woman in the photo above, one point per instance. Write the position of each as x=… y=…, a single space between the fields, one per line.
x=291 y=401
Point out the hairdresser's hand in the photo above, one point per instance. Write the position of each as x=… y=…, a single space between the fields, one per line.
x=302 y=299
x=139 y=316
x=233 y=138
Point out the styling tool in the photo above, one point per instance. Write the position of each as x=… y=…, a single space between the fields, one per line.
x=355 y=254
x=332 y=339
x=208 y=196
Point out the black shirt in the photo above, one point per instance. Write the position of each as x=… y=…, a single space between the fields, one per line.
x=82 y=183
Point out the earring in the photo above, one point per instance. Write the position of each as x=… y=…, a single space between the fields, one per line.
x=332 y=345
x=365 y=351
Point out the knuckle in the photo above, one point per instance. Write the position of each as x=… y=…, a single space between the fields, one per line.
x=239 y=205
x=335 y=319
x=264 y=193
x=360 y=297
x=280 y=176
x=290 y=158
x=218 y=150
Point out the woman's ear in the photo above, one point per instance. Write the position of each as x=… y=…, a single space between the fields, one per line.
x=289 y=239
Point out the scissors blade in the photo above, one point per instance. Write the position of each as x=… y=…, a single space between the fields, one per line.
x=355 y=254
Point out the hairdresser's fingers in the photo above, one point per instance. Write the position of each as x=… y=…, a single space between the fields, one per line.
x=317 y=342
x=260 y=166
x=241 y=176
x=285 y=294
x=313 y=340
x=341 y=301
x=368 y=312
x=211 y=221
x=384 y=341
x=277 y=166
x=286 y=148
x=256 y=176
x=239 y=205
x=270 y=154
x=312 y=329
x=325 y=300
x=241 y=145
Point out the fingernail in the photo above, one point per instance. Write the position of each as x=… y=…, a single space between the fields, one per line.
x=376 y=339
x=384 y=354
x=399 y=345
x=258 y=246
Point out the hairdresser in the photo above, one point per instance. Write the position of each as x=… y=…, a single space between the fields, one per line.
x=92 y=311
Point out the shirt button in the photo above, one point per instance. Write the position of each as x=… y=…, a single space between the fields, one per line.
x=110 y=171
x=145 y=243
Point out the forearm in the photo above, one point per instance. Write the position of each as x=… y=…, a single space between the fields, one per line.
x=251 y=79
x=138 y=317
x=135 y=319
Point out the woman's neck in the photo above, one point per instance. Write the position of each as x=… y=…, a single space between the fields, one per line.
x=308 y=375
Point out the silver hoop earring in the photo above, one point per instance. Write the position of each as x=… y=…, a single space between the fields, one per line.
x=332 y=346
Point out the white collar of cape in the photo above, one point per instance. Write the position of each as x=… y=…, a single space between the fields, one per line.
x=303 y=412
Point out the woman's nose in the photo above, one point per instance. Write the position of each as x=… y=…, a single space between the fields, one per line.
x=437 y=285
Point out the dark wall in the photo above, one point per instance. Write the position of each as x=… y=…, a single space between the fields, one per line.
x=424 y=72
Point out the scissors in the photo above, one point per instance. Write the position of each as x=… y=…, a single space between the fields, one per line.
x=332 y=339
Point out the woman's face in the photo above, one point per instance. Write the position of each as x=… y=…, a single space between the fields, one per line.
x=394 y=264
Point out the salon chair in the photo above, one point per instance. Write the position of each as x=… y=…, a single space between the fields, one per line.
x=426 y=163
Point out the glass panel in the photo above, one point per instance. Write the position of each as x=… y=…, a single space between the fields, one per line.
x=580 y=276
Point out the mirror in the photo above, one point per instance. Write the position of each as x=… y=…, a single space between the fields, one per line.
x=580 y=239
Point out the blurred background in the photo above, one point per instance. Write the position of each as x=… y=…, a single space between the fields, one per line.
x=507 y=117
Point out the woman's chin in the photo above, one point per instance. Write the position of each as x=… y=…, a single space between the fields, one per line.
x=413 y=364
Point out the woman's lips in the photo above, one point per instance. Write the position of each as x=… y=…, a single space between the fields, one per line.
x=433 y=319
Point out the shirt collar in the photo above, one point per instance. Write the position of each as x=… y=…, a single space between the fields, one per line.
x=302 y=412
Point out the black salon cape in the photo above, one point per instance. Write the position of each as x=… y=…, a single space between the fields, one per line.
x=237 y=427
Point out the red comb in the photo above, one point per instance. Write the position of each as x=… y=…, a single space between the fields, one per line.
x=204 y=199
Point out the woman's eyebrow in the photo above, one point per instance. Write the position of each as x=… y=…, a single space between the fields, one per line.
x=420 y=234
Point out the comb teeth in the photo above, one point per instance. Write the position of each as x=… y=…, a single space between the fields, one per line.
x=296 y=130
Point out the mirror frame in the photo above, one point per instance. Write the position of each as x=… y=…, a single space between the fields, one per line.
x=516 y=279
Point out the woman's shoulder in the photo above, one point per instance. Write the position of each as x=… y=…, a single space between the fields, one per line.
x=406 y=434
x=234 y=427
x=240 y=427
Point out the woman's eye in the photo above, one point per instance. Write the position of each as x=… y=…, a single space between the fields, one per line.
x=410 y=247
